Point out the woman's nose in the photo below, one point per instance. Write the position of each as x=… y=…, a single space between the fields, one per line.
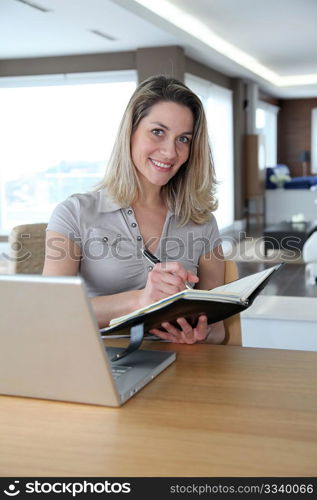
x=168 y=148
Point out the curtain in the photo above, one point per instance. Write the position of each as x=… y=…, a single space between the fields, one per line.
x=218 y=106
x=266 y=125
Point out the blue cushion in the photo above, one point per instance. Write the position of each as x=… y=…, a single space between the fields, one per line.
x=301 y=182
x=270 y=184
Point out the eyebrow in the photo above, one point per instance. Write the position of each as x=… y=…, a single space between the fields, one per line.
x=167 y=128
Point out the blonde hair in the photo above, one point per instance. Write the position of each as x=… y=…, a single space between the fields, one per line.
x=190 y=194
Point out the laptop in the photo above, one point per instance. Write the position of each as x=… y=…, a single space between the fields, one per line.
x=51 y=347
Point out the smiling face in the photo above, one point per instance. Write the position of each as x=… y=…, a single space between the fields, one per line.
x=161 y=143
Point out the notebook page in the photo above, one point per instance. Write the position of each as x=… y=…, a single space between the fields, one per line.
x=244 y=286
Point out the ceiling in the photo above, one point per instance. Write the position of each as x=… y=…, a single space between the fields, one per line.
x=273 y=42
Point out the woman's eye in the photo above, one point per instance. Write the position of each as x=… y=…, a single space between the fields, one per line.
x=157 y=131
x=184 y=139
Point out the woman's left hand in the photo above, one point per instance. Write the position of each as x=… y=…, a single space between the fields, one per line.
x=186 y=334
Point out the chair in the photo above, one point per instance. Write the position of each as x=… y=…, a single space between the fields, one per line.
x=233 y=324
x=27 y=249
x=310 y=258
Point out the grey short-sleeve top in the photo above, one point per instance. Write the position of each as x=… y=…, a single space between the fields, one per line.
x=111 y=244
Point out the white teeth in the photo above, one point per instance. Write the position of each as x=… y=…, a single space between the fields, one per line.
x=159 y=164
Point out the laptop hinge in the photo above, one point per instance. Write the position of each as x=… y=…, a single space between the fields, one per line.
x=136 y=338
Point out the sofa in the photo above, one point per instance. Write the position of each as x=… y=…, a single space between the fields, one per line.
x=286 y=196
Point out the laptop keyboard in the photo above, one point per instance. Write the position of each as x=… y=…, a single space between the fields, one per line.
x=117 y=371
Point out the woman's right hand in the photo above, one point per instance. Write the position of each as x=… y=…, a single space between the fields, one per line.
x=164 y=280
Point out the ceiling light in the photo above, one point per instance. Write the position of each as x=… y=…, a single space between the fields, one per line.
x=288 y=81
x=190 y=24
x=35 y=6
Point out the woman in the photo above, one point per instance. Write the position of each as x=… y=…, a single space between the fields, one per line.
x=157 y=193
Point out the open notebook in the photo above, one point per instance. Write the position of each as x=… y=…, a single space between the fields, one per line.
x=218 y=304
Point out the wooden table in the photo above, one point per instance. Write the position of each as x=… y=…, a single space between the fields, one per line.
x=217 y=411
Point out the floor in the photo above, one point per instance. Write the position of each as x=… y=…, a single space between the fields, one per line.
x=289 y=281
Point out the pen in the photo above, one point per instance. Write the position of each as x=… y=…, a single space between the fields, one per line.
x=155 y=260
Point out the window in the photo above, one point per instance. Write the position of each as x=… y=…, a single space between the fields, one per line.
x=266 y=126
x=217 y=102
x=56 y=133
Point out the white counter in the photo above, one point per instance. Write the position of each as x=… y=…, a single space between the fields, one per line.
x=281 y=322
x=281 y=204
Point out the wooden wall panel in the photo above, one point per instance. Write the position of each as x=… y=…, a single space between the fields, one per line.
x=294 y=132
x=254 y=174
x=268 y=98
x=110 y=61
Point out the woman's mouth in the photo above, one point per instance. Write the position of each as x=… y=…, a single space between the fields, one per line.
x=161 y=165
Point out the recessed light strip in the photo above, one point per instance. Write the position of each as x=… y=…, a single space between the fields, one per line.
x=103 y=35
x=201 y=32
x=35 y=6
